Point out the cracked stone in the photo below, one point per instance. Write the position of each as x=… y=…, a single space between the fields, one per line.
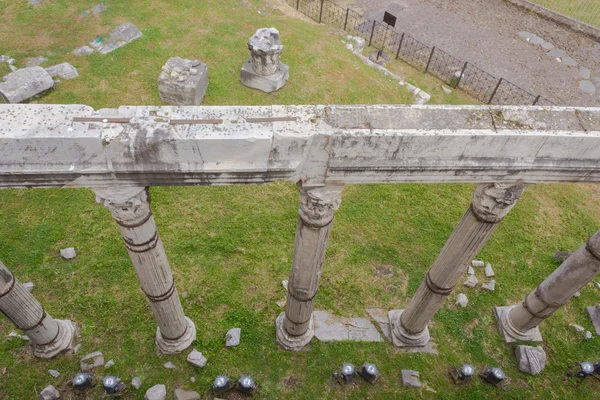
x=471 y=281
x=68 y=253
x=491 y=285
x=49 y=393
x=233 y=337
x=489 y=272
x=54 y=373
x=410 y=378
x=532 y=360
x=136 y=382
x=462 y=300
x=329 y=328
x=587 y=87
x=156 y=392
x=196 y=359
x=91 y=361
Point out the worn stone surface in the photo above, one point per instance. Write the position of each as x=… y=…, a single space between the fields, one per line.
x=91 y=361
x=83 y=51
x=196 y=359
x=49 y=393
x=569 y=61
x=471 y=281
x=54 y=373
x=25 y=83
x=489 y=272
x=462 y=300
x=169 y=365
x=156 y=392
x=183 y=82
x=477 y=263
x=265 y=51
x=470 y=271
x=63 y=71
x=410 y=379
x=557 y=53
x=233 y=336
x=35 y=62
x=269 y=83
x=119 y=37
x=329 y=328
x=136 y=382
x=491 y=285
x=68 y=253
x=181 y=394
x=594 y=313
x=532 y=360
x=536 y=40
x=587 y=87
x=109 y=364
x=588 y=335
x=380 y=316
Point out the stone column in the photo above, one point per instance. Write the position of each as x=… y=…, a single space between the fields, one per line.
x=295 y=326
x=264 y=70
x=520 y=323
x=491 y=203
x=130 y=207
x=48 y=336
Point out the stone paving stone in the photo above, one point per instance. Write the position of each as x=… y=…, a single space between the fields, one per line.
x=526 y=35
x=380 y=316
x=569 y=61
x=462 y=300
x=547 y=45
x=122 y=35
x=329 y=328
x=537 y=40
x=587 y=87
x=557 y=53
x=584 y=72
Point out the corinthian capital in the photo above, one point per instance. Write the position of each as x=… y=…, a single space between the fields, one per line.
x=317 y=204
x=492 y=201
x=129 y=206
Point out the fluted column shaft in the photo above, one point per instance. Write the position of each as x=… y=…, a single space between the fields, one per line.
x=48 y=336
x=520 y=322
x=491 y=203
x=315 y=217
x=130 y=208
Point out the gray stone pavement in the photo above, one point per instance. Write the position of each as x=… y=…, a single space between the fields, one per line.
x=486 y=34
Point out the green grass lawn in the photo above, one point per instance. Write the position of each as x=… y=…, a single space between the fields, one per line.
x=582 y=10
x=230 y=247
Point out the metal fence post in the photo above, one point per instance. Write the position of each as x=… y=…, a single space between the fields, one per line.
x=321 y=13
x=536 y=100
x=400 y=46
x=372 y=32
x=430 y=57
x=495 y=90
x=298 y=5
x=346 y=21
x=462 y=72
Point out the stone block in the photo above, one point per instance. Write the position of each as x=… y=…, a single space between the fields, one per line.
x=122 y=35
x=329 y=328
x=233 y=337
x=410 y=379
x=267 y=84
x=156 y=392
x=183 y=82
x=462 y=300
x=196 y=359
x=532 y=360
x=25 y=83
x=63 y=71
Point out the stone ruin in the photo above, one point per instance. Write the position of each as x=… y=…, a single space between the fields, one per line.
x=25 y=83
x=264 y=70
x=183 y=82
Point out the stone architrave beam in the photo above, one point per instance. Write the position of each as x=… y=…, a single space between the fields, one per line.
x=71 y=146
x=49 y=337
x=130 y=207
x=521 y=322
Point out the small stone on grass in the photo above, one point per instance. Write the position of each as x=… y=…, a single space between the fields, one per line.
x=29 y=286
x=491 y=285
x=109 y=364
x=410 y=379
x=471 y=281
x=136 y=382
x=49 y=393
x=462 y=300
x=477 y=263
x=68 y=253
x=91 y=361
x=578 y=328
x=196 y=359
x=233 y=337
x=532 y=360
x=156 y=392
x=588 y=335
x=54 y=373
x=471 y=271
x=169 y=365
x=489 y=272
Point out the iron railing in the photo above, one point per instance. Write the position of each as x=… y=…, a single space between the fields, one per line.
x=456 y=73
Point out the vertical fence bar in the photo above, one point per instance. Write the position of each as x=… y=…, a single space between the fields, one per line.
x=462 y=72
x=321 y=13
x=536 y=100
x=298 y=5
x=430 y=57
x=400 y=46
x=495 y=90
x=372 y=32
x=346 y=21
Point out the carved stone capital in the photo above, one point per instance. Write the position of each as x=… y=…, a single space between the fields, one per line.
x=492 y=201
x=317 y=205
x=130 y=207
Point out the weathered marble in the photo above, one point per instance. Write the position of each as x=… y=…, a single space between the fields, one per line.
x=329 y=328
x=63 y=71
x=264 y=70
x=532 y=360
x=119 y=37
x=183 y=82
x=25 y=83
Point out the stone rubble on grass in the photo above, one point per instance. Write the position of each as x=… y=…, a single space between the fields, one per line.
x=232 y=338
x=588 y=335
x=36 y=62
x=183 y=82
x=477 y=263
x=330 y=328
x=77 y=348
x=532 y=360
x=83 y=51
x=181 y=394
x=25 y=83
x=120 y=36
x=284 y=283
x=576 y=294
x=156 y=392
x=462 y=300
x=169 y=365
x=578 y=328
x=63 y=71
x=489 y=272
x=446 y=90
x=91 y=361
x=491 y=285
x=49 y=393
x=136 y=382
x=471 y=271
x=196 y=359
x=192 y=379
x=410 y=379
x=97 y=9
x=29 y=286
x=13 y=334
x=68 y=253
x=471 y=281
x=598 y=285
x=109 y=364
x=54 y=373
x=281 y=303
x=35 y=2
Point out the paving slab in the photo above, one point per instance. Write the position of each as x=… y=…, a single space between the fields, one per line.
x=380 y=316
x=329 y=328
x=122 y=35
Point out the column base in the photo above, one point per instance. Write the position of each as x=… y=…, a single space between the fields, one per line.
x=293 y=343
x=509 y=333
x=166 y=346
x=402 y=338
x=63 y=342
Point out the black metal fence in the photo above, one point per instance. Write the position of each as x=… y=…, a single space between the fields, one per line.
x=457 y=74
